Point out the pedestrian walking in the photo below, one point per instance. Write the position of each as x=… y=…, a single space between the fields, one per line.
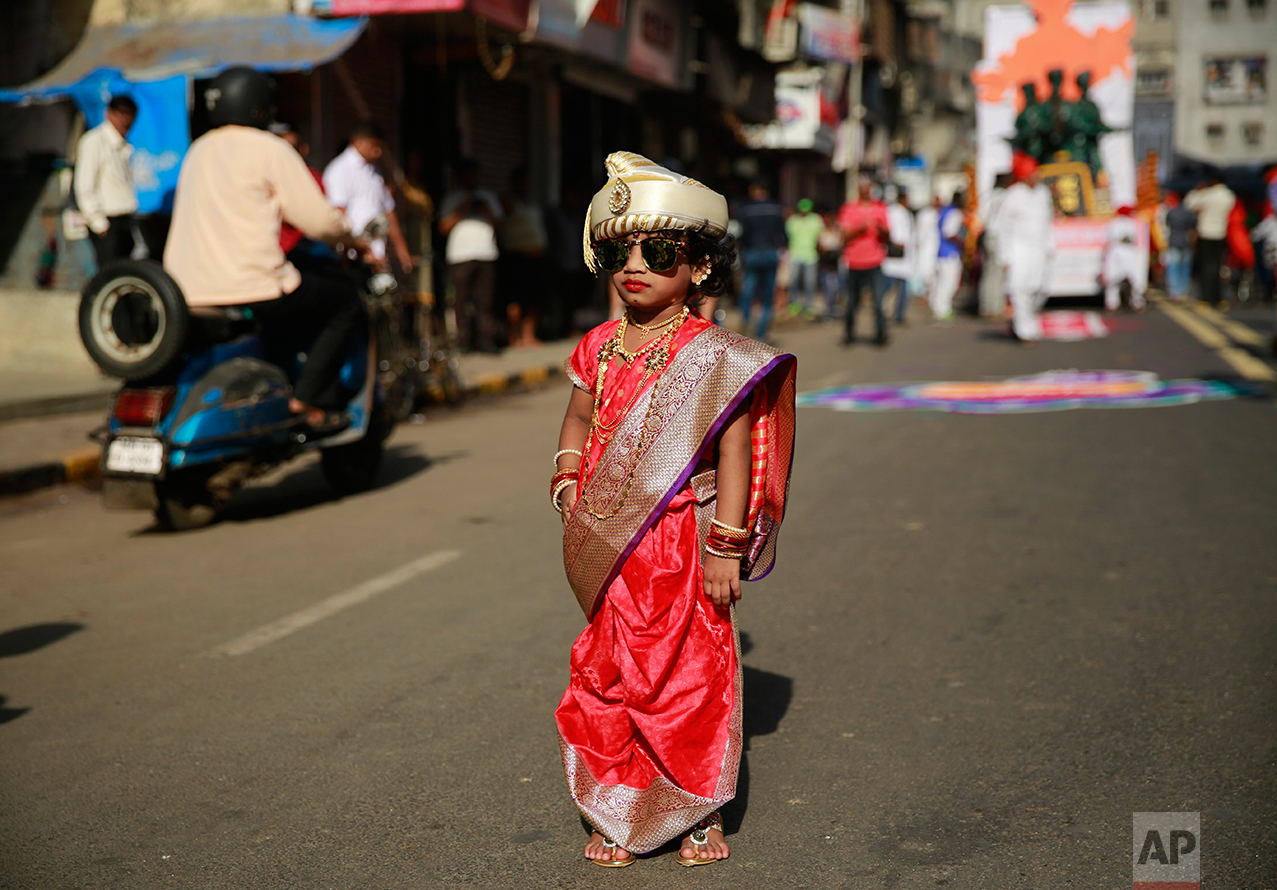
x=1024 y=233
x=899 y=265
x=1212 y=201
x=103 y=182
x=948 y=258
x=865 y=227
x=1264 y=235
x=832 y=272
x=522 y=268
x=354 y=184
x=992 y=295
x=1123 y=262
x=761 y=239
x=803 y=230
x=1181 y=228
x=469 y=218
x=926 y=225
x=671 y=480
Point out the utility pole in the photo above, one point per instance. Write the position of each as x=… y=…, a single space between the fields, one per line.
x=855 y=9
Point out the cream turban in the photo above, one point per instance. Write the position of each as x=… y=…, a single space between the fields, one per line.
x=641 y=196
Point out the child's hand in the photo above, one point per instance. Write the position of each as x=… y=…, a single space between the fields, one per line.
x=567 y=498
x=722 y=580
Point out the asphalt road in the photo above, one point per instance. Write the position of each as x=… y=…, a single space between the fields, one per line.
x=989 y=641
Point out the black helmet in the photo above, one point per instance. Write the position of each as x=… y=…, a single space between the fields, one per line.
x=242 y=97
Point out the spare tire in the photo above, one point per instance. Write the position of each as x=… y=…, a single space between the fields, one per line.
x=133 y=319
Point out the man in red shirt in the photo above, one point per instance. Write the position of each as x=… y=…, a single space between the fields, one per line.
x=864 y=226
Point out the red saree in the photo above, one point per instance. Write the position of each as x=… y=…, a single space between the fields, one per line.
x=650 y=724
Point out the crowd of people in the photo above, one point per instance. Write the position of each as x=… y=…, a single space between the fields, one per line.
x=1205 y=241
x=508 y=258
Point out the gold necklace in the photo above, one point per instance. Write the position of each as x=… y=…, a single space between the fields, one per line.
x=649 y=329
x=657 y=360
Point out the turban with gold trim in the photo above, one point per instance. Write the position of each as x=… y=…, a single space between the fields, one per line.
x=642 y=196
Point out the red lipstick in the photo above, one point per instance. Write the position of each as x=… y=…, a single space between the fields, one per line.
x=633 y=285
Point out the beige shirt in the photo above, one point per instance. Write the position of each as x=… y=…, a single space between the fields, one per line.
x=1212 y=206
x=236 y=185
x=103 y=180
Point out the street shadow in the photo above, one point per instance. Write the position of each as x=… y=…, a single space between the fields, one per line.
x=307 y=488
x=22 y=640
x=766 y=697
x=304 y=489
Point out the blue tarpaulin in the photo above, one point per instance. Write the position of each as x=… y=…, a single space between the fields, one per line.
x=154 y=64
x=194 y=48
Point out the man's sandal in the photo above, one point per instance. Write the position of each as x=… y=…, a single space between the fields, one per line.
x=700 y=838
x=612 y=846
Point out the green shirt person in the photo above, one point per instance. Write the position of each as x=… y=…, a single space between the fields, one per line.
x=803 y=231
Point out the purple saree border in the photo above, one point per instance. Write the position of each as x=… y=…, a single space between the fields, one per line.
x=686 y=472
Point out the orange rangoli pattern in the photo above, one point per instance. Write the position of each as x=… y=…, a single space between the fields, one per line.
x=1056 y=44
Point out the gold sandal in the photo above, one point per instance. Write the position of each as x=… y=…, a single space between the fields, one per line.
x=612 y=845
x=700 y=838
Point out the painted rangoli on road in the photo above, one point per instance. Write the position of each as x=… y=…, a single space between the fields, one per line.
x=1050 y=391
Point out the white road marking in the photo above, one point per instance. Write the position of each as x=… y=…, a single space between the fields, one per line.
x=277 y=630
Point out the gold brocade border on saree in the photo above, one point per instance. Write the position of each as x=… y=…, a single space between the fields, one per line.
x=642 y=819
x=701 y=381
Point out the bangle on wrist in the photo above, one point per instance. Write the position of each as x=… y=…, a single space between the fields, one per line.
x=558 y=490
x=562 y=451
x=730 y=530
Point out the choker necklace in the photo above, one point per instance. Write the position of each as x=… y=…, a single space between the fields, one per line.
x=658 y=325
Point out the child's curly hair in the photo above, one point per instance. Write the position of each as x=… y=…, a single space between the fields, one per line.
x=721 y=254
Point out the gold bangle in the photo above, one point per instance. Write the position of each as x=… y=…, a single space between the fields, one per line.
x=558 y=490
x=724 y=555
x=730 y=528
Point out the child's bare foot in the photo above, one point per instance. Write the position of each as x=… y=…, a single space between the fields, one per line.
x=606 y=853
x=705 y=844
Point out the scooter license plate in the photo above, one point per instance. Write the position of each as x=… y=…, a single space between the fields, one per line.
x=129 y=454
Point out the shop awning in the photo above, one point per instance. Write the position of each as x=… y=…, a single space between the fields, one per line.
x=196 y=48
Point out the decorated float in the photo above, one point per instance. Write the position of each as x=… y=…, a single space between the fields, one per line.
x=1056 y=82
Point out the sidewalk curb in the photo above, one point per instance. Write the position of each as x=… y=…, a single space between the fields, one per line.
x=84 y=465
x=52 y=405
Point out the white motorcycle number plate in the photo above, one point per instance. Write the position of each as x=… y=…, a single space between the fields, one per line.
x=131 y=455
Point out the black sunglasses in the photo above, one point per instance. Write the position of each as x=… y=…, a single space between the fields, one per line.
x=659 y=254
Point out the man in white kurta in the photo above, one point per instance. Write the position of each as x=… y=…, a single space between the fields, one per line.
x=899 y=270
x=1024 y=246
x=1122 y=261
x=926 y=243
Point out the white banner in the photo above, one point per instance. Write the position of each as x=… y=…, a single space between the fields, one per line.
x=1018 y=47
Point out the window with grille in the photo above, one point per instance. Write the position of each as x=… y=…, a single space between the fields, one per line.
x=1253 y=132
x=1214 y=132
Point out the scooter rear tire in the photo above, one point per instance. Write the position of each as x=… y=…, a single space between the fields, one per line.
x=353 y=468
x=133 y=319
x=184 y=503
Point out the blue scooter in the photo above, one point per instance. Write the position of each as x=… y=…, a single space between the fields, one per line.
x=205 y=404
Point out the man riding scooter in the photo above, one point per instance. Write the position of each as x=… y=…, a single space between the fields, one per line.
x=238 y=182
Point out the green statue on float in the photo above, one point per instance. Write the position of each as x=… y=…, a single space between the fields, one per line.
x=1048 y=129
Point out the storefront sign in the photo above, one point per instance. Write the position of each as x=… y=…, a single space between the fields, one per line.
x=384 y=7
x=798 y=122
x=829 y=35
x=656 y=42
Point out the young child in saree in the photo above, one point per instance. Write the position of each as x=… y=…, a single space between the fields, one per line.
x=671 y=477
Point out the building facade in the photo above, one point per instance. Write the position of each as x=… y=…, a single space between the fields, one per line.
x=1225 y=111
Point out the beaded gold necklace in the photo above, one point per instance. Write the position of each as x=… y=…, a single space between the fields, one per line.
x=656 y=356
